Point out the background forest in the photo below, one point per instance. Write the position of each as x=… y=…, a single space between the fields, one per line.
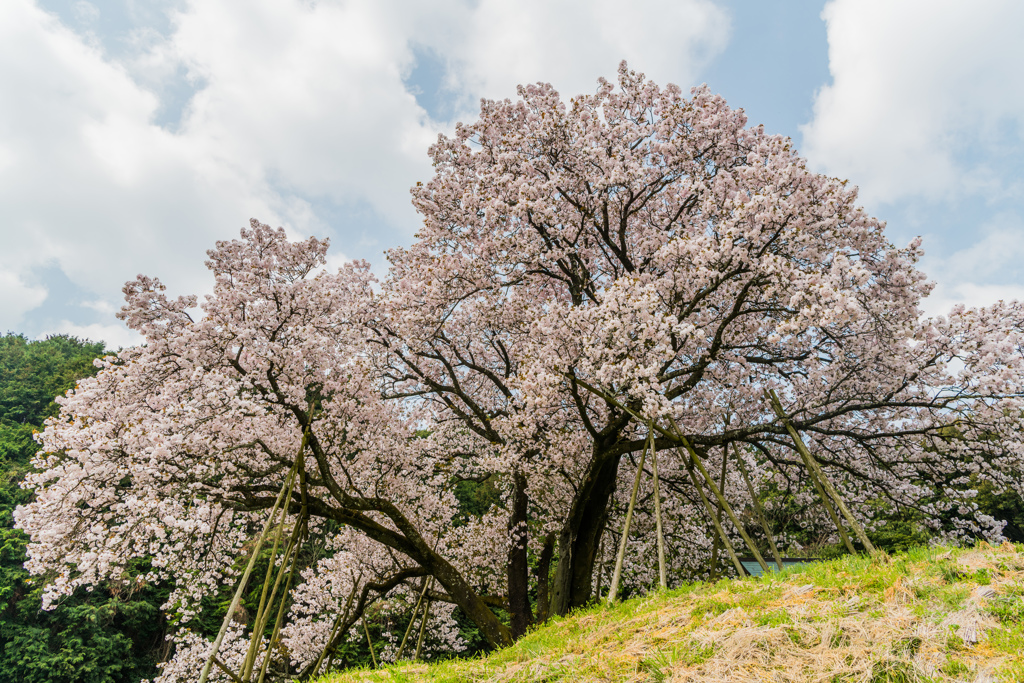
x=98 y=636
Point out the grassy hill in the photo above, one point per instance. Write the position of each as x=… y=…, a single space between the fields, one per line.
x=933 y=614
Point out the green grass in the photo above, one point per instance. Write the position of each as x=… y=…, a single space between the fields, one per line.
x=849 y=619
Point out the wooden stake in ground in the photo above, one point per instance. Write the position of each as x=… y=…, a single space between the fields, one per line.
x=662 y=570
x=617 y=574
x=816 y=471
x=762 y=518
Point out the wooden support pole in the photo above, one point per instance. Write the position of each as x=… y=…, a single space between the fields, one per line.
x=711 y=513
x=617 y=574
x=721 y=498
x=662 y=569
x=713 y=571
x=344 y=619
x=237 y=598
x=369 y=641
x=758 y=508
x=250 y=655
x=275 y=633
x=423 y=629
x=676 y=437
x=330 y=639
x=816 y=471
x=412 y=619
x=263 y=614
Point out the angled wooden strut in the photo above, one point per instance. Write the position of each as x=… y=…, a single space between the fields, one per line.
x=285 y=492
x=695 y=458
x=821 y=482
x=617 y=574
x=662 y=570
x=415 y=610
x=677 y=438
x=758 y=508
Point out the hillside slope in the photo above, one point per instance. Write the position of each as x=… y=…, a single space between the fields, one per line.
x=934 y=614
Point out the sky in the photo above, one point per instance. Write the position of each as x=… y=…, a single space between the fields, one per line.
x=134 y=134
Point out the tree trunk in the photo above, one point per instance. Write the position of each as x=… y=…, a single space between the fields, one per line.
x=581 y=532
x=521 y=615
x=496 y=633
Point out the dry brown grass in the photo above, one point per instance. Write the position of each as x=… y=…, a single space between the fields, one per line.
x=924 y=617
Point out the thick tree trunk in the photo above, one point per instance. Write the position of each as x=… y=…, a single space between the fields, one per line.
x=518 y=562
x=416 y=548
x=581 y=533
x=496 y=633
x=544 y=578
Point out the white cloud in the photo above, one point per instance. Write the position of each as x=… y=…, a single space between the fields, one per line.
x=569 y=43
x=88 y=182
x=927 y=95
x=987 y=271
x=85 y=11
x=16 y=297
x=946 y=295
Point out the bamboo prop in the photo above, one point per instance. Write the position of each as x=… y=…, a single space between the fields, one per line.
x=291 y=550
x=263 y=613
x=676 y=437
x=721 y=498
x=348 y=607
x=423 y=629
x=415 y=610
x=819 y=490
x=284 y=597
x=617 y=574
x=758 y=508
x=662 y=570
x=711 y=513
x=713 y=571
x=227 y=672
x=291 y=553
x=250 y=654
x=373 y=657
x=334 y=631
x=816 y=471
x=248 y=570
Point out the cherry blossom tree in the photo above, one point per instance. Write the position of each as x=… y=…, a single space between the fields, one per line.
x=177 y=449
x=630 y=274
x=635 y=255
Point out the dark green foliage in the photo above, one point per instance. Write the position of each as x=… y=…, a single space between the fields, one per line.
x=475 y=498
x=32 y=373
x=1008 y=506
x=104 y=636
